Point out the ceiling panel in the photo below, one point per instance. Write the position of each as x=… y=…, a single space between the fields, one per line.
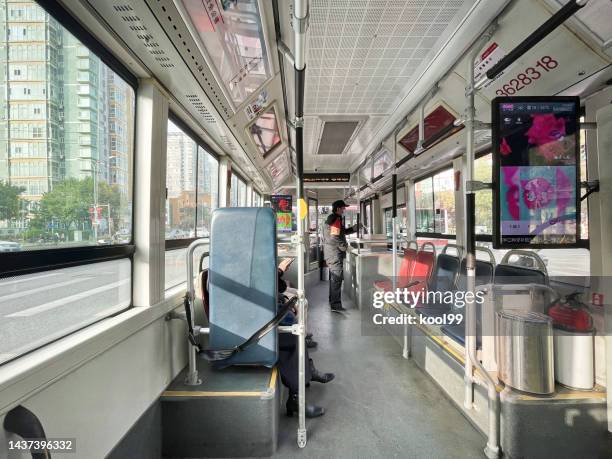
x=362 y=55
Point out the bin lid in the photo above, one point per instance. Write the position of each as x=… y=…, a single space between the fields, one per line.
x=524 y=316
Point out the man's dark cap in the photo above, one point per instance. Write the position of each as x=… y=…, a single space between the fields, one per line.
x=337 y=204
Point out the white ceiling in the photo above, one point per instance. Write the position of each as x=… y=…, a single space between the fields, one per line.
x=362 y=56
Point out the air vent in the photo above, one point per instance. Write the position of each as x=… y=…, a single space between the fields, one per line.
x=201 y=108
x=145 y=37
x=122 y=8
x=336 y=137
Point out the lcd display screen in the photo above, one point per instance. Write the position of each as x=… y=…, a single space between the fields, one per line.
x=265 y=133
x=536 y=171
x=282 y=206
x=233 y=35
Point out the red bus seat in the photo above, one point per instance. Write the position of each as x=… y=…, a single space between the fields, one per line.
x=404 y=274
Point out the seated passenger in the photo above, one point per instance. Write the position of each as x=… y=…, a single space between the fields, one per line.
x=288 y=364
x=288 y=358
x=284 y=287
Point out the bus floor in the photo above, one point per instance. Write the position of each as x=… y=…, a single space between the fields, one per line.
x=379 y=404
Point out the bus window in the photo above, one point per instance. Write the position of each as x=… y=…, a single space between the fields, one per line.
x=444 y=202
x=192 y=183
x=435 y=204
x=66 y=180
x=423 y=191
x=181 y=160
x=238 y=191
x=208 y=190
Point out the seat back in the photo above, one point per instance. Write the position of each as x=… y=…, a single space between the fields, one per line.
x=243 y=282
x=445 y=275
x=484 y=273
x=410 y=255
x=511 y=274
x=423 y=267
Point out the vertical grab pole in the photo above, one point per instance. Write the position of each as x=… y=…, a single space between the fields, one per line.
x=300 y=15
x=491 y=450
x=193 y=378
x=360 y=220
x=469 y=232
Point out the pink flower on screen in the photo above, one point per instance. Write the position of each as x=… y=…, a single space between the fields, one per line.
x=537 y=193
x=512 y=194
x=547 y=132
x=505 y=148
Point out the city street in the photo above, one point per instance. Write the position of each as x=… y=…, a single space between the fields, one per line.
x=38 y=308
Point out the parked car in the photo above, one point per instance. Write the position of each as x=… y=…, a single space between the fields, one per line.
x=8 y=246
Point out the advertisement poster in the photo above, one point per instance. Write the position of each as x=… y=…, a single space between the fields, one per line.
x=282 y=205
x=537 y=159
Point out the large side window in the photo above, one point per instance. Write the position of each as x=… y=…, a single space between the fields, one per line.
x=208 y=190
x=192 y=190
x=435 y=206
x=66 y=169
x=238 y=191
x=423 y=191
x=483 y=172
x=444 y=202
x=234 y=191
x=181 y=159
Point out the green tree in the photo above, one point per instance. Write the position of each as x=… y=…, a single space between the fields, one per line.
x=9 y=201
x=67 y=205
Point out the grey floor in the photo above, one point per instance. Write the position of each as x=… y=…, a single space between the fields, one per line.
x=380 y=405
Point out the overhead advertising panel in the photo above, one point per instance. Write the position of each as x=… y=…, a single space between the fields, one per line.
x=536 y=172
x=279 y=169
x=232 y=34
x=264 y=131
x=282 y=204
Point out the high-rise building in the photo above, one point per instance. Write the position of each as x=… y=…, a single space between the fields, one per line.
x=181 y=159
x=31 y=104
x=120 y=124
x=63 y=113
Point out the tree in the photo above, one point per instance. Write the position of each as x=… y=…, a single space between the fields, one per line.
x=67 y=205
x=9 y=201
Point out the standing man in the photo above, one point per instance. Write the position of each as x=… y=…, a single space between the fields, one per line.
x=334 y=249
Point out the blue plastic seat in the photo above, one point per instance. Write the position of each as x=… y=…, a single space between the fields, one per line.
x=243 y=282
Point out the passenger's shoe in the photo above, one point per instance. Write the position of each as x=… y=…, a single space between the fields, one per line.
x=322 y=378
x=337 y=308
x=312 y=411
x=310 y=343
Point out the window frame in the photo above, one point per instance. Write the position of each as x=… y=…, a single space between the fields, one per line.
x=239 y=178
x=431 y=175
x=29 y=261
x=173 y=244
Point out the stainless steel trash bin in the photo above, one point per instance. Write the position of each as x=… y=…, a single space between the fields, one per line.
x=525 y=351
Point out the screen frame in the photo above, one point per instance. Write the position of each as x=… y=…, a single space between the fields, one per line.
x=495 y=139
x=271 y=107
x=273 y=204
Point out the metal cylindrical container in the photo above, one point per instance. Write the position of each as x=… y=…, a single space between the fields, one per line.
x=574 y=359
x=525 y=351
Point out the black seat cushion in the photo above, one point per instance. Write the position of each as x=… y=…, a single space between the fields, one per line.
x=447 y=268
x=511 y=274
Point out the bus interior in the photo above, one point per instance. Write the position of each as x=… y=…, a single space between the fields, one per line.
x=170 y=177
